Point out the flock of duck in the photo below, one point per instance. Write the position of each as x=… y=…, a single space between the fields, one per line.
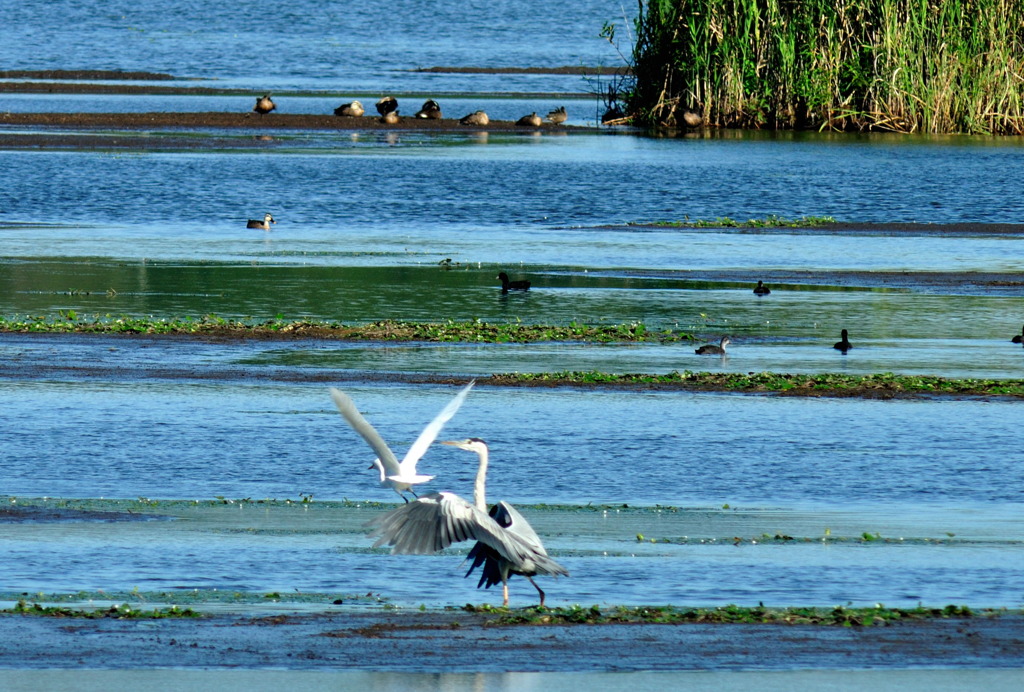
x=843 y=345
x=506 y=544
x=387 y=107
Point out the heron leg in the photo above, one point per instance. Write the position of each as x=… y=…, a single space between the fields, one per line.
x=539 y=590
x=504 y=591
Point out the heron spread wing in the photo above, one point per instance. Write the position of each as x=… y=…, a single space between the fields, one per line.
x=429 y=434
x=433 y=522
x=515 y=523
x=351 y=414
x=517 y=529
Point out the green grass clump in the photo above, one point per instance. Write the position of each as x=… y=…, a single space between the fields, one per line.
x=474 y=331
x=881 y=385
x=895 y=65
x=729 y=614
x=117 y=612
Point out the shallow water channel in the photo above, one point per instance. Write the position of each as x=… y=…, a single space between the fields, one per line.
x=747 y=498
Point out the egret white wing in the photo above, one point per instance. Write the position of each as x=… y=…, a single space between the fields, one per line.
x=429 y=434
x=348 y=410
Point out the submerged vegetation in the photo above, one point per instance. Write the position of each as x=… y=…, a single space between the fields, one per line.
x=672 y=615
x=892 y=65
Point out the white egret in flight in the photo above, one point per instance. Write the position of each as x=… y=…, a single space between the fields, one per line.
x=400 y=476
x=506 y=543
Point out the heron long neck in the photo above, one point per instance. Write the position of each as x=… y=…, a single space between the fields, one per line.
x=480 y=487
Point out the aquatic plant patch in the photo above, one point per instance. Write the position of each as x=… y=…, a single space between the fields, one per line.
x=880 y=385
x=730 y=614
x=726 y=222
x=117 y=612
x=476 y=331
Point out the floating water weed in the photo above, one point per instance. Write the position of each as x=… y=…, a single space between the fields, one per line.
x=726 y=222
x=118 y=612
x=386 y=330
x=728 y=614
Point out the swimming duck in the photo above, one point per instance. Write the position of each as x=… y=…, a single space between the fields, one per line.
x=714 y=350
x=390 y=118
x=264 y=105
x=475 y=118
x=1019 y=338
x=761 y=289
x=843 y=344
x=531 y=120
x=354 y=109
x=387 y=104
x=507 y=285
x=264 y=224
x=558 y=115
x=431 y=110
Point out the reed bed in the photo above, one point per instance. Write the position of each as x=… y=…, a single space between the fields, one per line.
x=954 y=66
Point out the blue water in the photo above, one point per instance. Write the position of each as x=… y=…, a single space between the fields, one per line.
x=91 y=418
x=312 y=44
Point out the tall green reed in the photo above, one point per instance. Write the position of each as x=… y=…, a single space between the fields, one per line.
x=900 y=65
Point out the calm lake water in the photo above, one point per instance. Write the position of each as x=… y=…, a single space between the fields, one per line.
x=364 y=220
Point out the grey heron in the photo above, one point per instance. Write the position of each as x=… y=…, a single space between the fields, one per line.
x=400 y=476
x=713 y=349
x=506 y=543
x=844 y=344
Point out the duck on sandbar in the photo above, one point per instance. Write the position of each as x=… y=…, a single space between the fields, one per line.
x=352 y=110
x=531 y=120
x=431 y=110
x=558 y=115
x=264 y=105
x=714 y=349
x=264 y=224
x=761 y=289
x=507 y=285
x=390 y=118
x=387 y=104
x=475 y=118
x=843 y=344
